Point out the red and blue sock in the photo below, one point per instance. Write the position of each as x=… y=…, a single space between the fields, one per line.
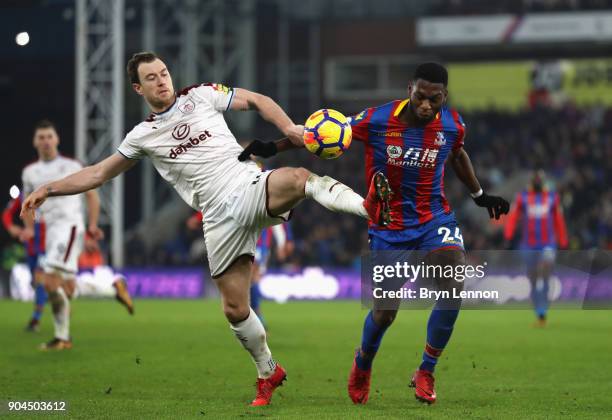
x=40 y=298
x=439 y=329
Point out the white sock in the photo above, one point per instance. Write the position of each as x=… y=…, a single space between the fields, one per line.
x=61 y=315
x=252 y=335
x=334 y=195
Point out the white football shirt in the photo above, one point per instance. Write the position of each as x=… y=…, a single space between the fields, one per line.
x=192 y=147
x=67 y=208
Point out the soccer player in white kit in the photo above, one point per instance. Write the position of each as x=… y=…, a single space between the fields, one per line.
x=63 y=217
x=190 y=145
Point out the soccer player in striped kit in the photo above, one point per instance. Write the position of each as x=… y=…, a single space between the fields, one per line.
x=407 y=144
x=283 y=245
x=34 y=248
x=538 y=211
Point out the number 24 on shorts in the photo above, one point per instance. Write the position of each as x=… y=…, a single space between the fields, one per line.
x=448 y=237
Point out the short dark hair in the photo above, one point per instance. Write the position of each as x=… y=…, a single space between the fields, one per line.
x=44 y=123
x=136 y=60
x=432 y=72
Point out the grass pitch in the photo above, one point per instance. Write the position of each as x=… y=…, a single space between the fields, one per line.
x=179 y=359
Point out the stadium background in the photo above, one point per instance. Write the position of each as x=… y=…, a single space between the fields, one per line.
x=345 y=55
x=532 y=79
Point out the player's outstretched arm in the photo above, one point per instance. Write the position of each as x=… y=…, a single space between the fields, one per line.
x=86 y=179
x=462 y=165
x=245 y=100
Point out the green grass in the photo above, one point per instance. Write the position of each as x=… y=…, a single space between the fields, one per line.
x=191 y=366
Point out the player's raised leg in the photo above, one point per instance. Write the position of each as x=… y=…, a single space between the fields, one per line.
x=104 y=282
x=234 y=286
x=122 y=295
x=288 y=186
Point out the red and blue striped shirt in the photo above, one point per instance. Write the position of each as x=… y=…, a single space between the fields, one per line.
x=542 y=220
x=36 y=245
x=412 y=158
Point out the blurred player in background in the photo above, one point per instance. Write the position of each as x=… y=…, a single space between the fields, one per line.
x=278 y=238
x=407 y=144
x=538 y=211
x=96 y=279
x=34 y=247
x=189 y=143
x=64 y=224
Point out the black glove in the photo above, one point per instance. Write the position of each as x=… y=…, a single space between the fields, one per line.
x=258 y=148
x=495 y=205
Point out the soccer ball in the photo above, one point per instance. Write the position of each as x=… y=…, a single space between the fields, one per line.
x=327 y=133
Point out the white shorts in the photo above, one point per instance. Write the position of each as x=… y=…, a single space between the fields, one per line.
x=63 y=245
x=233 y=229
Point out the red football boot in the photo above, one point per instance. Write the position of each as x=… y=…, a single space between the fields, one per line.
x=377 y=201
x=423 y=384
x=265 y=387
x=359 y=383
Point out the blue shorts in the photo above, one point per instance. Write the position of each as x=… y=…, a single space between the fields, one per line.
x=435 y=234
x=33 y=262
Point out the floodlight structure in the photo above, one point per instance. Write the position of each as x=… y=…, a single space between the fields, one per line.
x=99 y=101
x=200 y=41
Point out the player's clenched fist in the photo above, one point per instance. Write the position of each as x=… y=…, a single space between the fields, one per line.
x=296 y=135
x=32 y=202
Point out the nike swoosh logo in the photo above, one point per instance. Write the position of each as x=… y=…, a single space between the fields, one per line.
x=429 y=394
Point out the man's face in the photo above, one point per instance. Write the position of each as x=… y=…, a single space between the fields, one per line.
x=537 y=180
x=155 y=84
x=426 y=99
x=46 y=141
